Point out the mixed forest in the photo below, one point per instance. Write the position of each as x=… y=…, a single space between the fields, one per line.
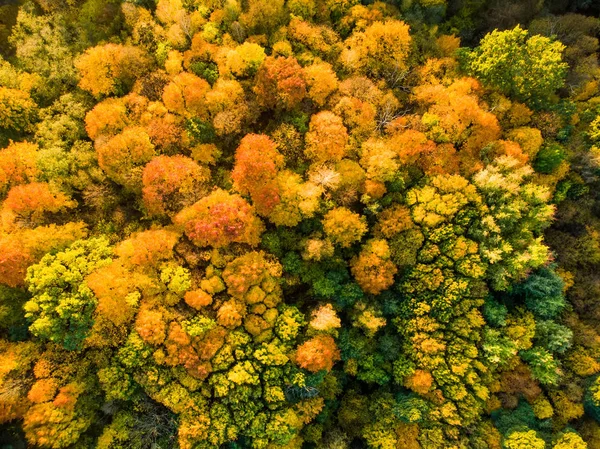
x=301 y=224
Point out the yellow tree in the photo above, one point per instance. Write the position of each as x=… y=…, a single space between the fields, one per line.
x=111 y=69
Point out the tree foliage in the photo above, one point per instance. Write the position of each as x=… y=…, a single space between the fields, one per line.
x=299 y=224
x=528 y=68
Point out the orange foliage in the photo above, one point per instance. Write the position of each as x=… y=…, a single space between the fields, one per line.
x=375 y=189
x=326 y=139
x=220 y=219
x=15 y=362
x=25 y=246
x=43 y=390
x=31 y=201
x=251 y=270
x=112 y=286
x=393 y=221
x=455 y=116
x=442 y=159
x=108 y=117
x=419 y=382
x=231 y=314
x=362 y=88
x=197 y=299
x=280 y=83
x=199 y=51
x=18 y=165
x=171 y=183
x=322 y=82
x=107 y=69
x=325 y=319
x=318 y=353
x=181 y=352
x=357 y=115
x=226 y=103
x=166 y=132
x=148 y=247
x=14 y=260
x=45 y=425
x=411 y=145
x=372 y=269
x=123 y=156
x=448 y=44
x=504 y=148
x=150 y=325
x=257 y=162
x=185 y=95
x=318 y=38
x=209 y=344
x=67 y=396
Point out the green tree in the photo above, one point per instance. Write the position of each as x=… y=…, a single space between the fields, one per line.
x=43 y=47
x=62 y=305
x=553 y=336
x=543 y=293
x=528 y=68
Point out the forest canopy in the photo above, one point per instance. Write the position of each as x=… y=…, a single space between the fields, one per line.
x=300 y=224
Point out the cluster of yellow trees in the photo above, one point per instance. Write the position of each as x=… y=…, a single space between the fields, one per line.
x=297 y=224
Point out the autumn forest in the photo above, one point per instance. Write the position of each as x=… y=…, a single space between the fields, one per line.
x=299 y=224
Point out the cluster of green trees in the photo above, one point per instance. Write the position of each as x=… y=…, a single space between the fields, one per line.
x=299 y=224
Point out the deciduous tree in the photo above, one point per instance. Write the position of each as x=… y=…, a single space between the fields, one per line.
x=257 y=163
x=111 y=69
x=171 y=183
x=219 y=219
x=529 y=68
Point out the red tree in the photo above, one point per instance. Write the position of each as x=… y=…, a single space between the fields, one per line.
x=220 y=219
x=257 y=162
x=280 y=83
x=172 y=182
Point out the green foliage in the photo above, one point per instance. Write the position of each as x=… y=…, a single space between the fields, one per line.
x=543 y=293
x=494 y=312
x=498 y=348
x=12 y=319
x=522 y=417
x=98 y=20
x=44 y=47
x=61 y=124
x=521 y=211
x=592 y=398
x=117 y=383
x=62 y=305
x=543 y=366
x=200 y=131
x=206 y=70
x=549 y=158
x=528 y=68
x=382 y=252
x=74 y=168
x=176 y=278
x=554 y=337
